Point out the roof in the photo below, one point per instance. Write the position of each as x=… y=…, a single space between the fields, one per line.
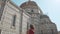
x=29 y=3
x=44 y=16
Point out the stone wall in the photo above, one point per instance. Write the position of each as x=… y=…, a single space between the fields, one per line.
x=24 y=23
x=7 y=19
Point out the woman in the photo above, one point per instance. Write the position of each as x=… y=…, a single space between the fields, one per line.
x=31 y=30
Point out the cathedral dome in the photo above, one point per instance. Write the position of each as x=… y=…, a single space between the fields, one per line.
x=29 y=4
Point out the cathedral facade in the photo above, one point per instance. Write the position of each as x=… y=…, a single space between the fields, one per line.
x=16 y=19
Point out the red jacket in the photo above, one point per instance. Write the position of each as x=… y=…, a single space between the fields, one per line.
x=30 y=31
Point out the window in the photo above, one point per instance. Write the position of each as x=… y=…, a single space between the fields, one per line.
x=14 y=19
x=0 y=31
x=0 y=12
x=52 y=31
x=41 y=31
x=27 y=25
x=0 y=16
x=32 y=11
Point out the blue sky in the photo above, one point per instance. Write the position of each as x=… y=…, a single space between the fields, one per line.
x=49 y=7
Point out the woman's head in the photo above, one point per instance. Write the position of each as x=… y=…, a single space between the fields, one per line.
x=31 y=26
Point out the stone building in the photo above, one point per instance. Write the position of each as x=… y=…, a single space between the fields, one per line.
x=16 y=19
x=59 y=32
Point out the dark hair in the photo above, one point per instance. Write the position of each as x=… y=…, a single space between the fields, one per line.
x=31 y=26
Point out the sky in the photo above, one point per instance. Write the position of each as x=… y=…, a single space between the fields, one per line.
x=49 y=7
